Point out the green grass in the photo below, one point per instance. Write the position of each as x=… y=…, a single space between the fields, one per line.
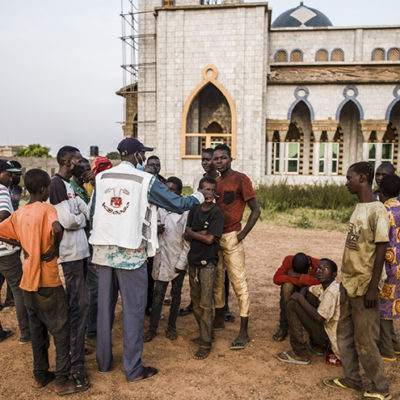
x=324 y=206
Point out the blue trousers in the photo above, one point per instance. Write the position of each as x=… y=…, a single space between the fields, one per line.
x=132 y=284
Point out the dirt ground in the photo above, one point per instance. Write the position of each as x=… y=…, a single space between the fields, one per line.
x=253 y=373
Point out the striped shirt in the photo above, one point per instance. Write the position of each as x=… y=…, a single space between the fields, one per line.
x=6 y=205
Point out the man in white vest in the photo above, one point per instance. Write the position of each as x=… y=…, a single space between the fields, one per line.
x=124 y=234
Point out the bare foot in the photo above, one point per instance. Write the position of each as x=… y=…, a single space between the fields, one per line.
x=202 y=353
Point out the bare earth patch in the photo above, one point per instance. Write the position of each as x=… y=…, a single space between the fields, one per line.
x=253 y=373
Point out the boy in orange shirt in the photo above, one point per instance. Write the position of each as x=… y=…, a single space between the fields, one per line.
x=36 y=229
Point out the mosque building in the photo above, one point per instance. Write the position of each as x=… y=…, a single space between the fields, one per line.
x=297 y=99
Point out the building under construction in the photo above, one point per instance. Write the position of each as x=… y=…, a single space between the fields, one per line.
x=295 y=97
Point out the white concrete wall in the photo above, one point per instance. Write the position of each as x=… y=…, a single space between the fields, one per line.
x=325 y=100
x=232 y=39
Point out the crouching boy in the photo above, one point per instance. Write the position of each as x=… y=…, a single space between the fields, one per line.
x=36 y=229
x=204 y=228
x=315 y=309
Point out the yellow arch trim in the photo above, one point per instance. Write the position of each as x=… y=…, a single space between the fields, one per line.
x=210 y=74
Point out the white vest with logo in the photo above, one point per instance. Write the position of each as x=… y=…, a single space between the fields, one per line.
x=123 y=216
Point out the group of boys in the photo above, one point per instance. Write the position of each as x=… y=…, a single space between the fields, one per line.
x=116 y=209
x=351 y=321
x=204 y=231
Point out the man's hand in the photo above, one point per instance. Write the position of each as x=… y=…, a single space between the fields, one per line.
x=296 y=296
x=50 y=254
x=371 y=297
x=303 y=291
x=293 y=274
x=88 y=176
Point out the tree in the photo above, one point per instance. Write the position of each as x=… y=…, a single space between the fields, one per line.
x=113 y=155
x=35 y=150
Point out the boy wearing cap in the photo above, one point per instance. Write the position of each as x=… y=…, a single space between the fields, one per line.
x=10 y=262
x=124 y=234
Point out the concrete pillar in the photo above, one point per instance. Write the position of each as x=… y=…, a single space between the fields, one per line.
x=365 y=151
x=317 y=138
x=270 y=135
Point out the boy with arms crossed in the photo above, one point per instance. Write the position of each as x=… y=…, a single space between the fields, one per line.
x=204 y=228
x=35 y=226
x=363 y=257
x=234 y=191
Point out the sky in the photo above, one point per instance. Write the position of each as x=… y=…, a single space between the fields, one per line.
x=60 y=66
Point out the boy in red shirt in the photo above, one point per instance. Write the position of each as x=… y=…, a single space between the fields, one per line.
x=36 y=229
x=294 y=273
x=234 y=191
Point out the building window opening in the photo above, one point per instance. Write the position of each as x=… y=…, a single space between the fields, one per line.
x=378 y=55
x=296 y=56
x=337 y=55
x=281 y=56
x=394 y=54
x=322 y=55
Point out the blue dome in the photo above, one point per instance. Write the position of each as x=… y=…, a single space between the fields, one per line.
x=301 y=16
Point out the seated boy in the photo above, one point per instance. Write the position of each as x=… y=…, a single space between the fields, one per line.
x=169 y=264
x=36 y=229
x=315 y=309
x=294 y=273
x=204 y=228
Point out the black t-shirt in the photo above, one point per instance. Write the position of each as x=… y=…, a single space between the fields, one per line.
x=213 y=222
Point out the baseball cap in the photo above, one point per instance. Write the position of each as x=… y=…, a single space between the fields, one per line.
x=7 y=166
x=131 y=145
x=100 y=164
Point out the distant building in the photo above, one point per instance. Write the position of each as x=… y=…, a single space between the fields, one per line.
x=10 y=151
x=297 y=99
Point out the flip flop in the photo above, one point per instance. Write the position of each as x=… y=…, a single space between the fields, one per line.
x=379 y=396
x=337 y=384
x=229 y=317
x=280 y=335
x=289 y=359
x=238 y=345
x=391 y=359
x=38 y=384
x=71 y=388
x=148 y=372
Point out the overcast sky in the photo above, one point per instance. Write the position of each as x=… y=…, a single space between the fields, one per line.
x=60 y=66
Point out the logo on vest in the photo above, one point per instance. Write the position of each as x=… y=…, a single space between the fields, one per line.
x=116 y=201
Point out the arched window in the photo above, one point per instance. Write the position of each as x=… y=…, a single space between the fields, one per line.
x=209 y=117
x=337 y=55
x=322 y=55
x=168 y=3
x=281 y=56
x=378 y=55
x=296 y=56
x=393 y=54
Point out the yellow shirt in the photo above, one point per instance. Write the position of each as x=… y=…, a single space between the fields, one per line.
x=369 y=225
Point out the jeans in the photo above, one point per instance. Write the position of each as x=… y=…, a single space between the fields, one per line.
x=74 y=274
x=92 y=289
x=132 y=284
x=11 y=269
x=48 y=312
x=358 y=335
x=300 y=320
x=160 y=288
x=201 y=280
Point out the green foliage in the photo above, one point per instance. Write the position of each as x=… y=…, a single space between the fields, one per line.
x=35 y=150
x=282 y=197
x=303 y=222
x=186 y=191
x=113 y=155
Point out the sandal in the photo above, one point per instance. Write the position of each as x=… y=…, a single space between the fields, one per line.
x=41 y=383
x=149 y=336
x=229 y=317
x=202 y=353
x=70 y=387
x=337 y=383
x=239 y=345
x=80 y=378
x=147 y=373
x=171 y=334
x=280 y=335
x=376 y=395
x=287 y=358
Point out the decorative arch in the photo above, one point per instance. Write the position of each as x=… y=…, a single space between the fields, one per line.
x=393 y=54
x=210 y=74
x=396 y=93
x=356 y=103
x=296 y=55
x=337 y=55
x=321 y=55
x=281 y=55
x=213 y=123
x=378 y=54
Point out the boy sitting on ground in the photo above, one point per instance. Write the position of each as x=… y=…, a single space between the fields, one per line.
x=204 y=228
x=169 y=264
x=315 y=309
x=295 y=272
x=36 y=229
